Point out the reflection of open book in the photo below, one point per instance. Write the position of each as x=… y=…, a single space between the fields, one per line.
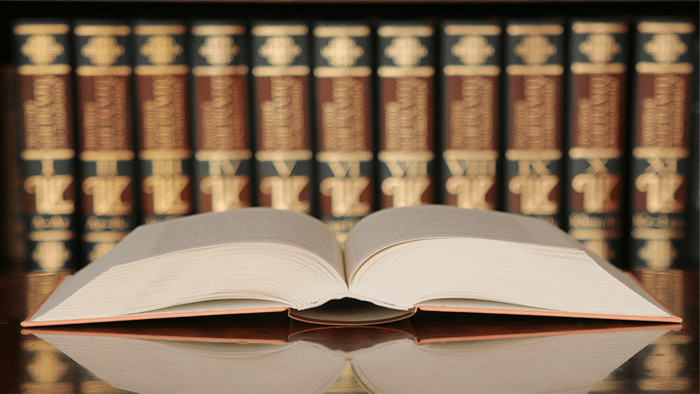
x=396 y=261
x=568 y=361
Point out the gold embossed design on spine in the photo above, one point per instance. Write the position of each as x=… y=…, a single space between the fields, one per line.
x=406 y=78
x=534 y=131
x=661 y=144
x=47 y=148
x=164 y=149
x=471 y=68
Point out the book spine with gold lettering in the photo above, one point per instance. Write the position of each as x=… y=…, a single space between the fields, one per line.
x=533 y=136
x=162 y=98
x=105 y=137
x=47 y=149
x=471 y=70
x=221 y=131
x=661 y=147
x=597 y=86
x=281 y=73
x=406 y=113
x=342 y=75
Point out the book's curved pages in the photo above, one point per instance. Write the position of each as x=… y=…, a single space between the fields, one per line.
x=434 y=258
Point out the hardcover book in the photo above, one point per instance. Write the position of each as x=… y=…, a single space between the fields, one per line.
x=534 y=85
x=344 y=123
x=471 y=68
x=661 y=144
x=107 y=159
x=47 y=149
x=223 y=158
x=406 y=133
x=162 y=100
x=597 y=86
x=281 y=68
x=395 y=262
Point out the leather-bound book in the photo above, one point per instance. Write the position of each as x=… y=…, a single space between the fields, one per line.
x=105 y=135
x=661 y=142
x=342 y=74
x=280 y=59
x=406 y=112
x=164 y=148
x=471 y=68
x=596 y=127
x=47 y=148
x=534 y=84
x=223 y=158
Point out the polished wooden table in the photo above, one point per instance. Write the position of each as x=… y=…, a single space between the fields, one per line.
x=429 y=352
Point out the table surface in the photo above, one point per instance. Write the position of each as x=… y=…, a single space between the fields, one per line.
x=429 y=352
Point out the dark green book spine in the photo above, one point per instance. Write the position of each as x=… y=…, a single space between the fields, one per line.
x=661 y=145
x=596 y=129
x=47 y=152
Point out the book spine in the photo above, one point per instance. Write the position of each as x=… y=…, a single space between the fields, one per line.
x=660 y=152
x=471 y=69
x=164 y=148
x=106 y=158
x=406 y=111
x=534 y=69
x=223 y=158
x=344 y=122
x=47 y=150
x=597 y=86
x=283 y=133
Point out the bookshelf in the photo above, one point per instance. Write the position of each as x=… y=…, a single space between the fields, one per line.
x=373 y=11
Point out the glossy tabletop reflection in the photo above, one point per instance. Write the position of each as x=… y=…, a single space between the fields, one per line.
x=430 y=352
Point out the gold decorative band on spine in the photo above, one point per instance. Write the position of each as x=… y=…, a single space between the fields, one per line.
x=642 y=152
x=587 y=68
x=41 y=29
x=146 y=30
x=553 y=69
x=459 y=30
x=50 y=235
x=655 y=68
x=54 y=69
x=279 y=30
x=329 y=72
x=205 y=155
x=276 y=155
x=204 y=71
x=653 y=233
x=533 y=154
x=665 y=27
x=472 y=70
x=101 y=30
x=327 y=156
x=470 y=154
x=208 y=30
x=98 y=155
x=595 y=234
x=165 y=154
x=521 y=30
x=398 y=72
x=161 y=70
x=96 y=71
x=599 y=27
x=104 y=236
x=47 y=154
x=420 y=155
x=271 y=71
x=392 y=31
x=595 y=153
x=333 y=31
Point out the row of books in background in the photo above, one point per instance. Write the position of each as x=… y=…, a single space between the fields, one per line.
x=339 y=120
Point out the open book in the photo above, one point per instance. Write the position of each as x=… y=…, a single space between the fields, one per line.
x=395 y=262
